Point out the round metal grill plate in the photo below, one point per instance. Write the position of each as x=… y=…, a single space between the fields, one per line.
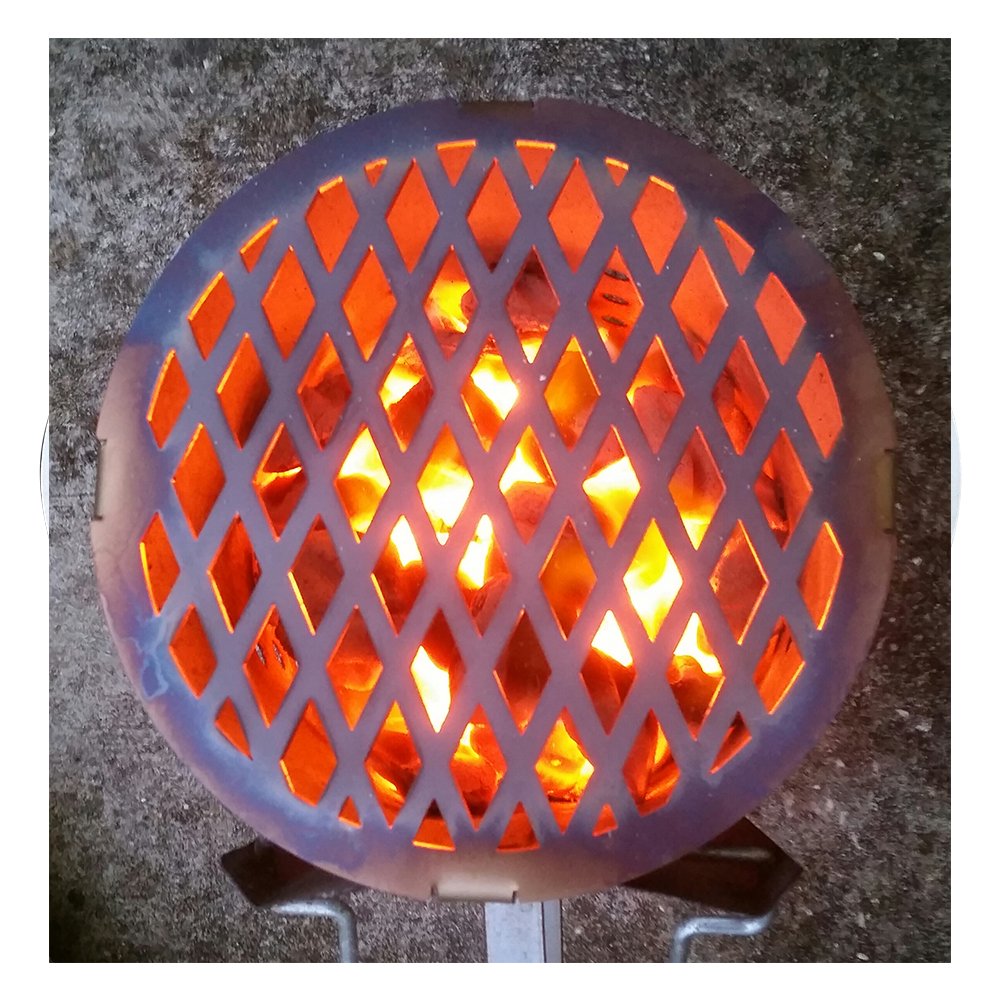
x=223 y=438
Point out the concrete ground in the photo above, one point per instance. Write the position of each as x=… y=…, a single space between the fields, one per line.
x=851 y=139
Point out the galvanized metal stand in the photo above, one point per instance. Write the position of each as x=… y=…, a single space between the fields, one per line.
x=735 y=926
x=742 y=871
x=524 y=932
x=275 y=880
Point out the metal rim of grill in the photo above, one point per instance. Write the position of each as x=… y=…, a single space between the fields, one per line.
x=646 y=244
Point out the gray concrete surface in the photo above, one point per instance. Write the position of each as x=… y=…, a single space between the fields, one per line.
x=851 y=139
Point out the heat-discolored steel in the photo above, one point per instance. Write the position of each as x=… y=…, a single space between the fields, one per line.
x=247 y=570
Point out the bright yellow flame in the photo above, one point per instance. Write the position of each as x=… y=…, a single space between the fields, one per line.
x=652 y=581
x=520 y=470
x=530 y=343
x=563 y=767
x=694 y=644
x=472 y=568
x=491 y=378
x=363 y=462
x=609 y=640
x=264 y=479
x=444 y=487
x=444 y=305
x=405 y=544
x=465 y=743
x=400 y=380
x=433 y=684
x=612 y=489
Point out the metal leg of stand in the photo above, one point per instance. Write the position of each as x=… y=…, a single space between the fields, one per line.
x=734 y=926
x=524 y=932
x=275 y=880
x=335 y=910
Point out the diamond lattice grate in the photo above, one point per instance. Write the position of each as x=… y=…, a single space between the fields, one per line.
x=493 y=501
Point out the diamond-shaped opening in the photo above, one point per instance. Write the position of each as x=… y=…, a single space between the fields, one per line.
x=694 y=675
x=571 y=394
x=535 y=156
x=650 y=770
x=361 y=482
x=740 y=396
x=494 y=216
x=819 y=576
x=575 y=216
x=368 y=303
x=251 y=251
x=483 y=576
x=392 y=763
x=349 y=813
x=192 y=652
x=169 y=396
x=412 y=216
x=198 y=479
x=228 y=723
x=210 y=313
x=736 y=738
x=615 y=304
x=532 y=304
x=489 y=393
x=315 y=574
x=564 y=769
x=611 y=486
x=288 y=303
x=655 y=395
x=324 y=391
x=738 y=581
x=478 y=766
x=652 y=580
x=608 y=671
x=399 y=573
x=308 y=761
x=331 y=218
x=444 y=485
x=243 y=390
x=354 y=668
x=280 y=480
x=159 y=565
x=782 y=488
x=373 y=170
x=234 y=573
x=450 y=303
x=527 y=484
x=818 y=400
x=778 y=667
x=781 y=317
x=433 y=831
x=519 y=835
x=522 y=671
x=606 y=821
x=697 y=487
x=438 y=671
x=567 y=578
x=454 y=156
x=658 y=218
x=405 y=392
x=617 y=169
x=270 y=666
x=699 y=305
x=738 y=248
